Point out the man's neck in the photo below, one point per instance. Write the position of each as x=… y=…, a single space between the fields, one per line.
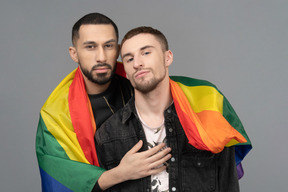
x=151 y=106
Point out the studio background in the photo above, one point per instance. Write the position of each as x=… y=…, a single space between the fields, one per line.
x=241 y=46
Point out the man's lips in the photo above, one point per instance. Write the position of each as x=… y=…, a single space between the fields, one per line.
x=140 y=74
x=101 y=69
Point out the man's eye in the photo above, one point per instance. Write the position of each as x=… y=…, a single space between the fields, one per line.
x=129 y=60
x=146 y=53
x=90 y=46
x=109 y=46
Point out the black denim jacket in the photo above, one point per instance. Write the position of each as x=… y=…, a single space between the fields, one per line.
x=189 y=169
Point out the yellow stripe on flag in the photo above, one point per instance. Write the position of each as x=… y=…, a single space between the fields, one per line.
x=56 y=116
x=203 y=98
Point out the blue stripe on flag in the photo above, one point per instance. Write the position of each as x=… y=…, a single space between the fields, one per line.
x=49 y=184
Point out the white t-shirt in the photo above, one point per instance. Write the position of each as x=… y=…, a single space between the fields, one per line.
x=155 y=136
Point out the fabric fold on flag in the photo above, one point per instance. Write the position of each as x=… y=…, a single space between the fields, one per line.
x=65 y=145
x=208 y=119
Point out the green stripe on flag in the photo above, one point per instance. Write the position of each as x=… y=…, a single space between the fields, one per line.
x=53 y=160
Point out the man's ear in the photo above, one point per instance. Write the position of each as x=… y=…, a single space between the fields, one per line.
x=73 y=54
x=168 y=58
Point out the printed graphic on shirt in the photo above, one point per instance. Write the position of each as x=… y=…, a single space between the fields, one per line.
x=155 y=136
x=159 y=182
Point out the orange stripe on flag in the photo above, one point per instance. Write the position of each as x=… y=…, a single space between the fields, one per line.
x=206 y=130
x=187 y=117
x=219 y=132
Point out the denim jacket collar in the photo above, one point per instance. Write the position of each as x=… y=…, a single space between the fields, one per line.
x=130 y=109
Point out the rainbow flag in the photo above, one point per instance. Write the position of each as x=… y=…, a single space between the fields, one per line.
x=65 y=145
x=209 y=121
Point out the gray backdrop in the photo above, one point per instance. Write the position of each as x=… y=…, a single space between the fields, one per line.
x=241 y=46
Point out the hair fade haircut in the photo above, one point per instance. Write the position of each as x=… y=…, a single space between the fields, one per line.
x=147 y=30
x=92 y=18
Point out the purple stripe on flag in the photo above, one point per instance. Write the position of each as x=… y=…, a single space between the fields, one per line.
x=240 y=171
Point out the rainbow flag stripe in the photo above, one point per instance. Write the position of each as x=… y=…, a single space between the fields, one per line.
x=208 y=119
x=65 y=145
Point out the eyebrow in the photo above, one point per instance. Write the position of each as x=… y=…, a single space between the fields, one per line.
x=141 y=49
x=93 y=42
x=146 y=47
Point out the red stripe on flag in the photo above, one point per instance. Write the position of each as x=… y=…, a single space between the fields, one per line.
x=187 y=123
x=82 y=118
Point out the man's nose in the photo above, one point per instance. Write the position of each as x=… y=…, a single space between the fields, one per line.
x=138 y=62
x=101 y=55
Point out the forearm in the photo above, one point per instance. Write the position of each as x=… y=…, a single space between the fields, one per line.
x=110 y=178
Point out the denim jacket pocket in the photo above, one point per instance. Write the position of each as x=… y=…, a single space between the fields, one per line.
x=199 y=173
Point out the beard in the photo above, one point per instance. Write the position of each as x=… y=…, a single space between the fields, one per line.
x=99 y=78
x=145 y=86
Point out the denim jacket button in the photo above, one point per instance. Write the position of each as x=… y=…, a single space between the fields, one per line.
x=173 y=159
x=173 y=188
x=170 y=130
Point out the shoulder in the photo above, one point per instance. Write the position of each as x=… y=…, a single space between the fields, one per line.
x=122 y=80
x=197 y=86
x=188 y=81
x=125 y=86
x=110 y=128
x=60 y=94
x=116 y=125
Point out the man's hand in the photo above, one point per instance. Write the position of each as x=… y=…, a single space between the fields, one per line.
x=136 y=165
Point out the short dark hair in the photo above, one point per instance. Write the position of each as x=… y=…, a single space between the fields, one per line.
x=149 y=30
x=92 y=18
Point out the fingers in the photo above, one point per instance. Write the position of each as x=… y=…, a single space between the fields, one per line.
x=141 y=164
x=153 y=150
x=136 y=147
x=160 y=154
x=161 y=160
x=156 y=170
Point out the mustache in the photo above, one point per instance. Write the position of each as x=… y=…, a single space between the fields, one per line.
x=141 y=69
x=101 y=65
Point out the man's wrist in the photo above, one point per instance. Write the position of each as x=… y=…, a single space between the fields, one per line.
x=110 y=178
